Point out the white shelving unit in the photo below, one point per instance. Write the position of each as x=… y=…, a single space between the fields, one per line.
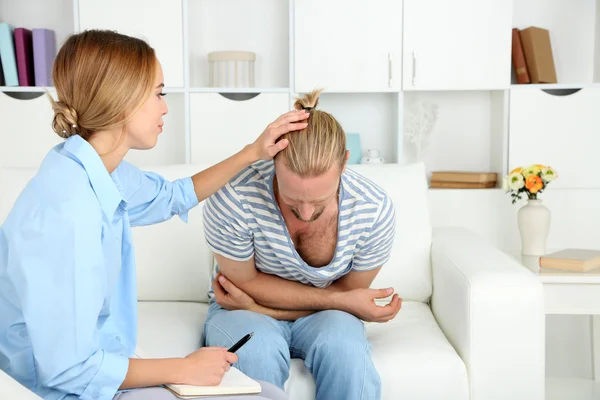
x=367 y=74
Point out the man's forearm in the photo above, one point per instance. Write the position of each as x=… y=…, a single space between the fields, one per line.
x=278 y=293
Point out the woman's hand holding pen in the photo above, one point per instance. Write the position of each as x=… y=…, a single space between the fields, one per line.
x=206 y=367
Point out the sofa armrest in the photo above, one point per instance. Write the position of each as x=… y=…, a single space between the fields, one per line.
x=491 y=309
x=11 y=389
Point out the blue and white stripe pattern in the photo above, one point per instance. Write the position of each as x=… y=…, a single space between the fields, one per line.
x=243 y=220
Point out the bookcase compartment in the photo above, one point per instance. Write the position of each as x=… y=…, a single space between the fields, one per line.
x=258 y=26
x=222 y=125
x=143 y=19
x=373 y=116
x=574 y=32
x=469 y=133
x=557 y=130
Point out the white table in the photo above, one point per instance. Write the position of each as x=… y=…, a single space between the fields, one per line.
x=572 y=293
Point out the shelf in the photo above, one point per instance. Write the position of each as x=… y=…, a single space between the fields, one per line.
x=556 y=86
x=27 y=89
x=572 y=389
x=42 y=89
x=237 y=90
x=167 y=89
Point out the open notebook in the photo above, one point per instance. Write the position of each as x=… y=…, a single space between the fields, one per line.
x=234 y=382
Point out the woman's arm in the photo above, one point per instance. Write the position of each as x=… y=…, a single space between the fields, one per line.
x=204 y=367
x=152 y=198
x=265 y=147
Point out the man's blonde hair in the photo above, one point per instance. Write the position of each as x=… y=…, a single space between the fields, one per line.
x=315 y=149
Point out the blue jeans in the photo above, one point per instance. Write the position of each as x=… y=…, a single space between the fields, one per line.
x=333 y=345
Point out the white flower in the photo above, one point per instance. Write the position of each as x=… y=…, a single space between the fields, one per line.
x=505 y=186
x=548 y=174
x=516 y=181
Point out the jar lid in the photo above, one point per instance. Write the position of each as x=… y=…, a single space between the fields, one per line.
x=231 y=56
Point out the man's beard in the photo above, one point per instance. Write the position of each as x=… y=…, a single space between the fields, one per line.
x=312 y=219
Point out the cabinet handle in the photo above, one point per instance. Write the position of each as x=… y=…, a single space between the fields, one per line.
x=414 y=67
x=389 y=70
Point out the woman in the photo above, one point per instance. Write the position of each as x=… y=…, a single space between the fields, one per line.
x=68 y=308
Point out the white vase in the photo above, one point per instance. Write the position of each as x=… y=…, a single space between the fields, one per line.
x=534 y=225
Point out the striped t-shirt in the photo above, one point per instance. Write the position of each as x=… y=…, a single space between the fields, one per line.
x=243 y=219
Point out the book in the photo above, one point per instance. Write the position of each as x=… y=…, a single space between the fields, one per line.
x=2 y=83
x=518 y=58
x=461 y=185
x=234 y=382
x=460 y=176
x=578 y=260
x=24 y=53
x=44 y=52
x=538 y=55
x=7 y=53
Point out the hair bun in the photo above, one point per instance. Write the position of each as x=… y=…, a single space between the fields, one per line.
x=65 y=119
x=308 y=101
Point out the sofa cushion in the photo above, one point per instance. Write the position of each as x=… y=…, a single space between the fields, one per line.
x=412 y=355
x=169 y=329
x=409 y=269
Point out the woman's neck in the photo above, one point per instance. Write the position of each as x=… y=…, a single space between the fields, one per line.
x=111 y=148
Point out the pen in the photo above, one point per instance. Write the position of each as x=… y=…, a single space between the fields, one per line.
x=240 y=343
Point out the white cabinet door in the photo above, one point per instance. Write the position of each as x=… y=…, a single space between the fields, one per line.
x=348 y=46
x=560 y=131
x=156 y=21
x=26 y=135
x=221 y=127
x=457 y=45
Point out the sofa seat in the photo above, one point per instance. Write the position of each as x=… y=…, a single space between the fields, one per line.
x=410 y=352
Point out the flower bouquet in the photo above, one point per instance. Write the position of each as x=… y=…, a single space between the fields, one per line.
x=531 y=180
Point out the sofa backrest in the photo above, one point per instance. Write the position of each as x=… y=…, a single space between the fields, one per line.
x=174 y=262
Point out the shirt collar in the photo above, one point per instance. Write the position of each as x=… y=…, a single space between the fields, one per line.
x=102 y=183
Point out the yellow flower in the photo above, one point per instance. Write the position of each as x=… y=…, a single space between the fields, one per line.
x=514 y=171
x=531 y=170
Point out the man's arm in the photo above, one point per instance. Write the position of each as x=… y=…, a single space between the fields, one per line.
x=231 y=297
x=355 y=280
x=274 y=292
x=271 y=291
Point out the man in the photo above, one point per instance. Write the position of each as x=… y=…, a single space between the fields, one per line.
x=298 y=242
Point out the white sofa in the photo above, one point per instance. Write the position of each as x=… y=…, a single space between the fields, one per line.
x=471 y=325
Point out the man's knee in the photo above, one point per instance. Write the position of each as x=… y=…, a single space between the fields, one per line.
x=342 y=337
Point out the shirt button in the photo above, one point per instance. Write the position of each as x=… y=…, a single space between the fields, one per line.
x=118 y=338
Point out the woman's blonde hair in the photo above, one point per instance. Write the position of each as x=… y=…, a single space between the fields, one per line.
x=102 y=78
x=321 y=145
